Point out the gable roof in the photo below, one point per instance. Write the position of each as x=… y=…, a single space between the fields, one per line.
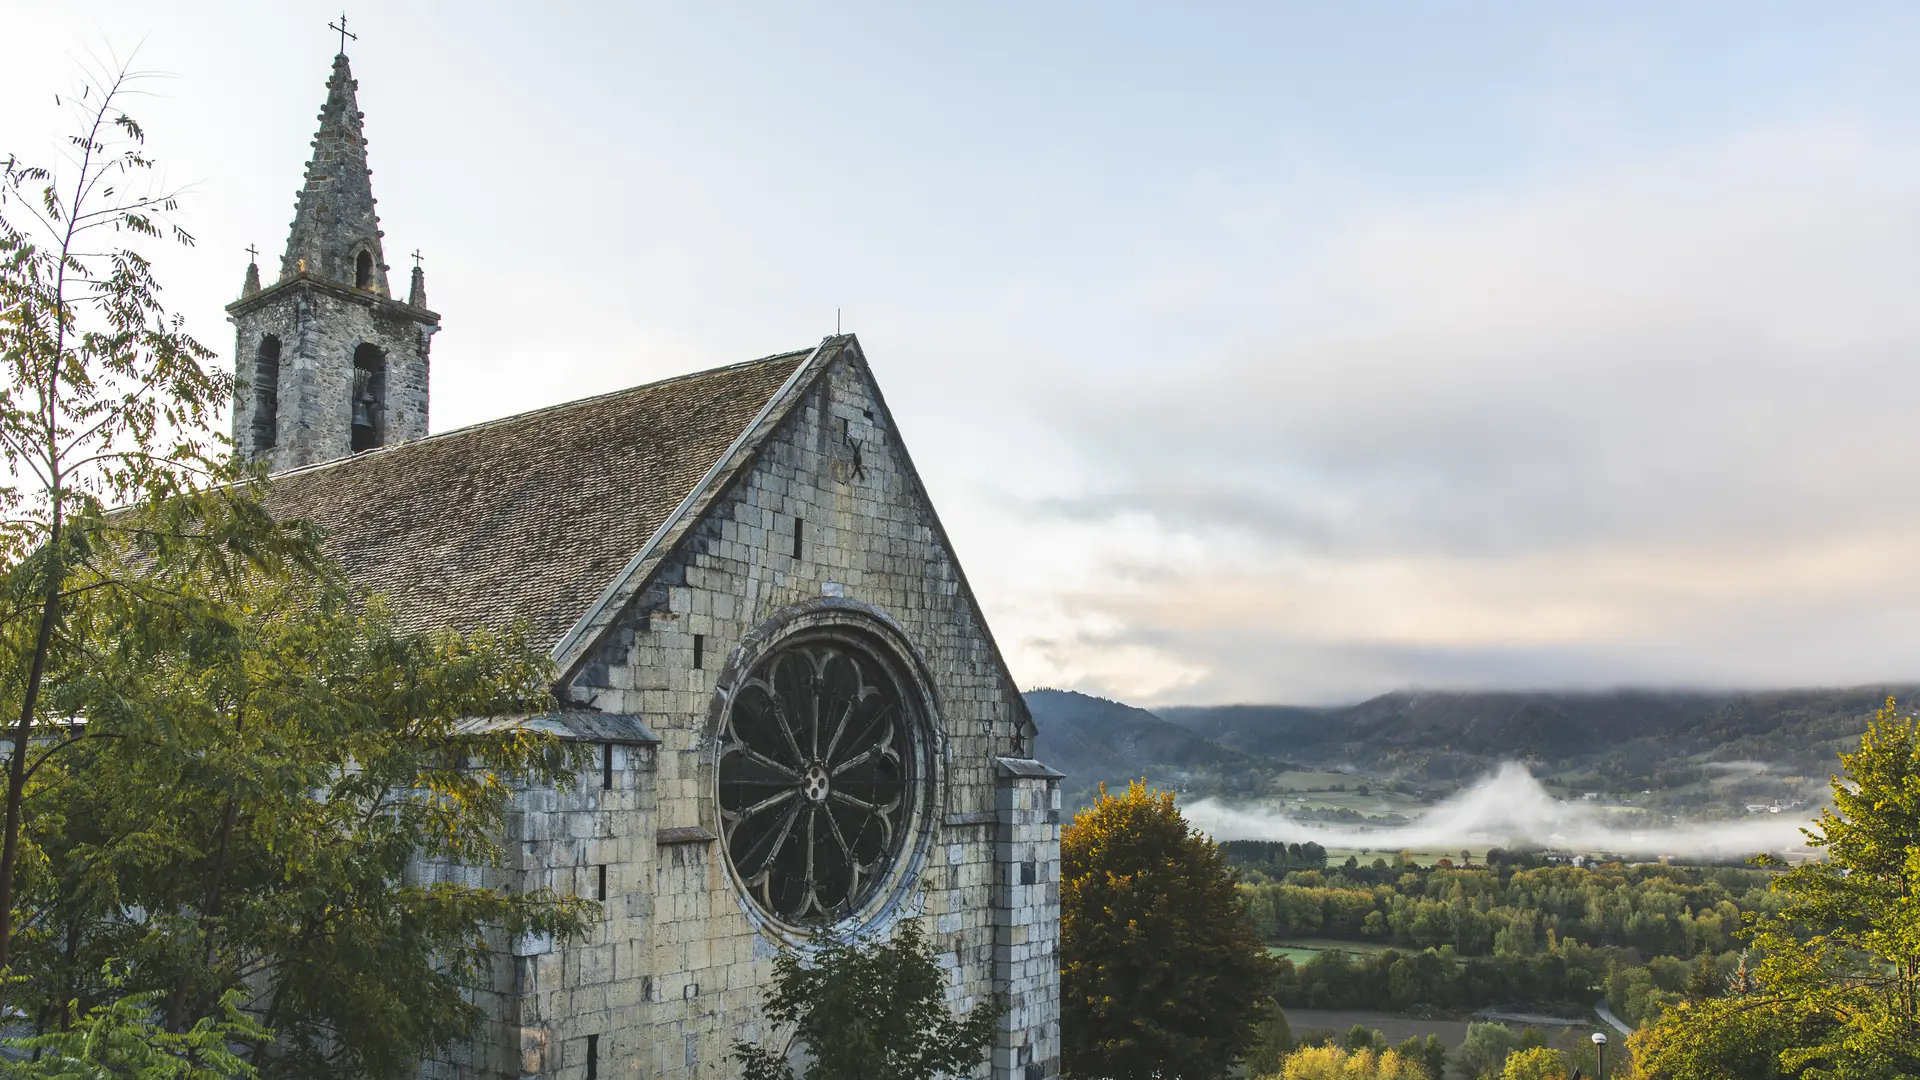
x=528 y=517
x=558 y=517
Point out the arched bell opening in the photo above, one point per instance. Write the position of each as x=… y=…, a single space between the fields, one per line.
x=369 y=397
x=363 y=270
x=266 y=394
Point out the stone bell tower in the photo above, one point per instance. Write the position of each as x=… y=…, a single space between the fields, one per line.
x=327 y=361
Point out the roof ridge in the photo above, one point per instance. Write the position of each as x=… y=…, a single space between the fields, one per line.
x=798 y=354
x=584 y=630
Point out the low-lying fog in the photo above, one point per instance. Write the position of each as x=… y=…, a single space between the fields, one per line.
x=1509 y=808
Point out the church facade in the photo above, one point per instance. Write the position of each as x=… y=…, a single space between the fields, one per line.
x=799 y=719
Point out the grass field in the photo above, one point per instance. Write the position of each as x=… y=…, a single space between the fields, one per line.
x=1393 y=1025
x=1421 y=856
x=1301 y=950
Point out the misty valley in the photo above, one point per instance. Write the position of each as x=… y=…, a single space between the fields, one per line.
x=1688 y=776
x=1572 y=862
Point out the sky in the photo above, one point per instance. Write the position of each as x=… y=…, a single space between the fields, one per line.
x=1271 y=352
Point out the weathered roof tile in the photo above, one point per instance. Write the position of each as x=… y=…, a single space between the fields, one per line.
x=529 y=517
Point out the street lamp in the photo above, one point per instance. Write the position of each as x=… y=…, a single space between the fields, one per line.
x=1600 y=1054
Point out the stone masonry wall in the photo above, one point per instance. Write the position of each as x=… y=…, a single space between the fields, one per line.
x=319 y=327
x=559 y=839
x=667 y=990
x=1026 y=909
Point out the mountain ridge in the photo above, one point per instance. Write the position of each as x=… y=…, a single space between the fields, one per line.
x=1626 y=737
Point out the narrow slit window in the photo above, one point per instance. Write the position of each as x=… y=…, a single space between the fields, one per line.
x=699 y=651
x=600 y=885
x=593 y=1057
x=606 y=766
x=799 y=531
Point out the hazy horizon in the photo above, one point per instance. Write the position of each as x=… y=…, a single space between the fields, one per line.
x=1518 y=691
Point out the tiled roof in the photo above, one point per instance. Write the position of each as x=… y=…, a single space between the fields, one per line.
x=531 y=517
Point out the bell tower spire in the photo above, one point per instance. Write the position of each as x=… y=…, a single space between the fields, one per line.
x=327 y=362
x=336 y=231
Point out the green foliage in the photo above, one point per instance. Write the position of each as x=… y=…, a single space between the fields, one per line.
x=124 y=1038
x=1430 y=1052
x=106 y=400
x=1272 y=1042
x=1658 y=910
x=1161 y=974
x=259 y=772
x=1509 y=933
x=226 y=768
x=1837 y=989
x=1485 y=1049
x=1734 y=1038
x=868 y=1012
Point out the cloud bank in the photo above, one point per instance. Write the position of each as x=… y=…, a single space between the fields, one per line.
x=1643 y=425
x=1511 y=808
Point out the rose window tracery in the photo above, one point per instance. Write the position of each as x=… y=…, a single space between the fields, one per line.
x=816 y=773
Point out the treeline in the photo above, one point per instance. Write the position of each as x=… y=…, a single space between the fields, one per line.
x=1506 y=932
x=1260 y=859
x=1440 y=979
x=1501 y=910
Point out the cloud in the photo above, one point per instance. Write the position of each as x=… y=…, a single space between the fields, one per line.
x=1641 y=425
x=1510 y=807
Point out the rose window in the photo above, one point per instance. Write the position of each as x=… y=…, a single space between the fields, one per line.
x=816 y=772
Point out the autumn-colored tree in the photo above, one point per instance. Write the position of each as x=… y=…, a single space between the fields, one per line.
x=1162 y=975
x=1339 y=1063
x=1538 y=1063
x=1836 y=993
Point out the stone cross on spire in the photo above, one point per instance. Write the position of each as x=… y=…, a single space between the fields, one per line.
x=336 y=231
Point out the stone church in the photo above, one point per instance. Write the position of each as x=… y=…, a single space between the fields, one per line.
x=801 y=721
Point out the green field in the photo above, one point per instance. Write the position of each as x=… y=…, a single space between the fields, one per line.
x=1301 y=950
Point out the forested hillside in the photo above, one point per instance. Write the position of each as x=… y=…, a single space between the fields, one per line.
x=1094 y=740
x=1623 y=739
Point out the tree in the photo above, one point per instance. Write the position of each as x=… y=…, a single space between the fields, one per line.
x=867 y=1011
x=107 y=399
x=1162 y=974
x=121 y=1039
x=1431 y=1053
x=1836 y=994
x=1339 y=1063
x=261 y=776
x=1485 y=1049
x=227 y=766
x=1538 y=1063
x=1272 y=1042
